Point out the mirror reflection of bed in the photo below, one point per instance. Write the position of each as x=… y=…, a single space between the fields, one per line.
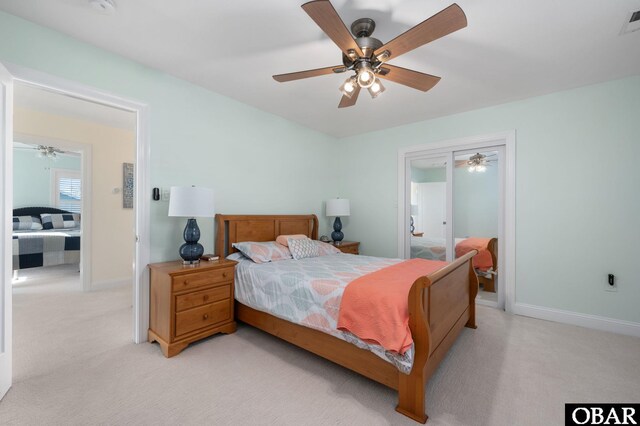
x=475 y=213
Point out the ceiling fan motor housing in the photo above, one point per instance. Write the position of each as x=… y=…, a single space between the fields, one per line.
x=362 y=29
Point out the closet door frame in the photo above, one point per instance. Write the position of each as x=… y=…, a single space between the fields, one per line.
x=507 y=196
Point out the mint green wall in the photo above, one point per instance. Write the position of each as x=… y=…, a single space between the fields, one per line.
x=428 y=175
x=256 y=162
x=32 y=177
x=475 y=202
x=577 y=200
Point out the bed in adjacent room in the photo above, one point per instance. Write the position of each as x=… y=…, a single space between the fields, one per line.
x=45 y=236
x=485 y=263
x=322 y=301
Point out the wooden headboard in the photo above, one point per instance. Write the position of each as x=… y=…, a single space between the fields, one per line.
x=36 y=211
x=238 y=228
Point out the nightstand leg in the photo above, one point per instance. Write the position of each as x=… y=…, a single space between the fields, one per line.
x=230 y=328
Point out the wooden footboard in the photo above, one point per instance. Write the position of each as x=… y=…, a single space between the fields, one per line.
x=440 y=305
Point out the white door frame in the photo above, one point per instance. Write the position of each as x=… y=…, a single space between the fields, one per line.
x=142 y=186
x=508 y=197
x=6 y=200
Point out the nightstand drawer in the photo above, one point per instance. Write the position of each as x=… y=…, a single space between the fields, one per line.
x=210 y=295
x=199 y=279
x=350 y=250
x=203 y=316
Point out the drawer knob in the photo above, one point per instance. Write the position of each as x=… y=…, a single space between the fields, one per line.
x=205 y=316
x=186 y=282
x=206 y=297
x=224 y=275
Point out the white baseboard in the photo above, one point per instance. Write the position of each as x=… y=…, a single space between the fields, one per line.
x=583 y=320
x=118 y=282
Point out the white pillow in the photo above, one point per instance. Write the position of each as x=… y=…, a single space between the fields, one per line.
x=302 y=248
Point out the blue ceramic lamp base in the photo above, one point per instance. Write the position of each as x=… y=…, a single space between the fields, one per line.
x=337 y=235
x=191 y=251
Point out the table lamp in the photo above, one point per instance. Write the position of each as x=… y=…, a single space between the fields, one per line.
x=337 y=207
x=191 y=202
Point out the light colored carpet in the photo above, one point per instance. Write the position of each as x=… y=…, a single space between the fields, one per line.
x=75 y=365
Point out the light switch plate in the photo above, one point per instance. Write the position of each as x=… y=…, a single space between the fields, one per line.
x=164 y=194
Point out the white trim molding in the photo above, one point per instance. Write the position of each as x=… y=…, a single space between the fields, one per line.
x=506 y=139
x=596 y=322
x=6 y=228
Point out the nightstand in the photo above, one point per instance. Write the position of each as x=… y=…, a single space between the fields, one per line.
x=189 y=303
x=351 y=247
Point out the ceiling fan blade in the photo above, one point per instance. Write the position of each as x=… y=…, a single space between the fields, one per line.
x=326 y=17
x=308 y=73
x=349 y=101
x=413 y=79
x=439 y=25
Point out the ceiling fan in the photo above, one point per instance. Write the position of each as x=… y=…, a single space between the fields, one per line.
x=477 y=162
x=368 y=56
x=43 y=151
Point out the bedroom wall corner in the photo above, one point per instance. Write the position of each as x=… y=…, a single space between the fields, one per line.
x=576 y=198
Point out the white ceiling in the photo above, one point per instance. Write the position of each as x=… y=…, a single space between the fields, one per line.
x=512 y=49
x=34 y=98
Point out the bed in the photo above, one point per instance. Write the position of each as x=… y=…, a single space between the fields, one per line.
x=34 y=248
x=439 y=305
x=434 y=249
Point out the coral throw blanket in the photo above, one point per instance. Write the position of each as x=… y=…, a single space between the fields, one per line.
x=375 y=306
x=482 y=260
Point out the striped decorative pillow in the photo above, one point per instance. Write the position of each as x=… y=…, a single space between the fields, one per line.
x=26 y=223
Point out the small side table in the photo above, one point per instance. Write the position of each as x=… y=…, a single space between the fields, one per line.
x=189 y=303
x=351 y=247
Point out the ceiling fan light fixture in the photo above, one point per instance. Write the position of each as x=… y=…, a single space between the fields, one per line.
x=348 y=88
x=44 y=151
x=376 y=88
x=366 y=76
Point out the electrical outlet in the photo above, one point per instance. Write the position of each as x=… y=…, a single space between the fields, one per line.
x=164 y=194
x=611 y=284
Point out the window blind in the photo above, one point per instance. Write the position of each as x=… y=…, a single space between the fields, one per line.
x=70 y=194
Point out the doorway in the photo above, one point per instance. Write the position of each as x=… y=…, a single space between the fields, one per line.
x=9 y=74
x=74 y=260
x=459 y=195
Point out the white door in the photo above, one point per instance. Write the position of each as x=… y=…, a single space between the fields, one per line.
x=6 y=204
x=432 y=215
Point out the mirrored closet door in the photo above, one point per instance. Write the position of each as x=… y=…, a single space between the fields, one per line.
x=476 y=210
x=429 y=208
x=454 y=203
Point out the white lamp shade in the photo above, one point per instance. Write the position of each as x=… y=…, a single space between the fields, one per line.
x=338 y=207
x=414 y=209
x=191 y=201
